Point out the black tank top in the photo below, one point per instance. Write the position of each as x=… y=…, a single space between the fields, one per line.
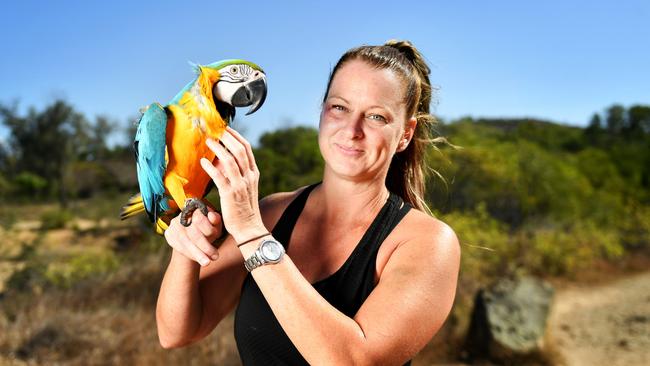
x=259 y=336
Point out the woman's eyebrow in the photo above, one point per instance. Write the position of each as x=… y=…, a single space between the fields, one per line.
x=338 y=97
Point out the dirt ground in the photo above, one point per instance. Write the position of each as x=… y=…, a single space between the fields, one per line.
x=605 y=324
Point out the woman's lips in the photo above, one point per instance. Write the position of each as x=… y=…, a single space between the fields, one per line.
x=348 y=150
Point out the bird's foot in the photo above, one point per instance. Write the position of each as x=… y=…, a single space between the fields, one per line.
x=191 y=205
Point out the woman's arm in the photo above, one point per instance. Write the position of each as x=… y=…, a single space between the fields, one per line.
x=408 y=306
x=193 y=298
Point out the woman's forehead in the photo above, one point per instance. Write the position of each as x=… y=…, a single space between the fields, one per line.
x=357 y=80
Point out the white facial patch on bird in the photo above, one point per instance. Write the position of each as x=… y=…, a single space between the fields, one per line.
x=230 y=80
x=235 y=73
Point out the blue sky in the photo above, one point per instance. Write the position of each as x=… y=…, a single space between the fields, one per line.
x=557 y=60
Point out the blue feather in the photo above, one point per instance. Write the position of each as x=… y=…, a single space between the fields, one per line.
x=150 y=158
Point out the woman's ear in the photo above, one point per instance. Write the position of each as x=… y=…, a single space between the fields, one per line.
x=409 y=131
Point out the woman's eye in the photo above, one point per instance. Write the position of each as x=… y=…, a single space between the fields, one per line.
x=377 y=117
x=338 y=107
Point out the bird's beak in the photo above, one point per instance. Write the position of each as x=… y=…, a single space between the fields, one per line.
x=251 y=93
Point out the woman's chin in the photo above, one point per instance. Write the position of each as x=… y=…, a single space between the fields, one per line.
x=348 y=171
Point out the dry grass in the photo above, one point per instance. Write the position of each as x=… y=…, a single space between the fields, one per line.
x=104 y=320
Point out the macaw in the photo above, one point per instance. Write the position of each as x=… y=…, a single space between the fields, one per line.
x=170 y=140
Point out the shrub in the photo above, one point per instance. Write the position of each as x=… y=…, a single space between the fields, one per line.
x=29 y=184
x=82 y=266
x=564 y=251
x=55 y=219
x=486 y=248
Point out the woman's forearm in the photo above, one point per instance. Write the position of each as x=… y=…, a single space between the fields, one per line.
x=178 y=311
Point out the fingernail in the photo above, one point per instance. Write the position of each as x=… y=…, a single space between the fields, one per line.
x=204 y=261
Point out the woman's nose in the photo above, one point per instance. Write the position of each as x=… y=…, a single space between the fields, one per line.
x=354 y=126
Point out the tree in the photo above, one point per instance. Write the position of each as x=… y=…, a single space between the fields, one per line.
x=99 y=132
x=595 y=122
x=639 y=119
x=5 y=159
x=287 y=159
x=593 y=132
x=44 y=143
x=616 y=119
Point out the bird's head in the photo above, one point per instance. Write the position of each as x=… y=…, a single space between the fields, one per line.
x=241 y=84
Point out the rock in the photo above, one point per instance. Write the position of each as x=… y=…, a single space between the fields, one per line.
x=509 y=320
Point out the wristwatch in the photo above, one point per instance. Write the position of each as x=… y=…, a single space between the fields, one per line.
x=269 y=252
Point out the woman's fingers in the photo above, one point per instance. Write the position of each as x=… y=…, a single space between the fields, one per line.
x=209 y=226
x=247 y=146
x=215 y=219
x=228 y=163
x=178 y=240
x=199 y=241
x=217 y=176
x=237 y=146
x=190 y=242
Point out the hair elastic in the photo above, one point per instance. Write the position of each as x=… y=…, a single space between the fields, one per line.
x=255 y=238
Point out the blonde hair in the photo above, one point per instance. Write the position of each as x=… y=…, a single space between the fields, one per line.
x=406 y=174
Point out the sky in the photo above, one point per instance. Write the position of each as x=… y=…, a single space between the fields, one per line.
x=555 y=60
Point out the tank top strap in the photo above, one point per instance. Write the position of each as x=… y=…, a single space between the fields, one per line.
x=384 y=223
x=348 y=288
x=284 y=227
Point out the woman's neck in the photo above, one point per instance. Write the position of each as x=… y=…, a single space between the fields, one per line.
x=347 y=201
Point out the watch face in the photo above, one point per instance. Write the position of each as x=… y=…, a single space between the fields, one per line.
x=271 y=250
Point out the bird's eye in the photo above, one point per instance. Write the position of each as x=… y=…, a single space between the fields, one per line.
x=233 y=70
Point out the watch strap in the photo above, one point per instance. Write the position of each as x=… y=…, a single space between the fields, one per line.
x=253 y=262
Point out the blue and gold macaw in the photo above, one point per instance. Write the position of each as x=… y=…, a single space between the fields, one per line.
x=170 y=140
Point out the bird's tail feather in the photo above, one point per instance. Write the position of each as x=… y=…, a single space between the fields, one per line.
x=161 y=226
x=133 y=207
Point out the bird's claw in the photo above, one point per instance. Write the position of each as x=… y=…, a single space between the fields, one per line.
x=191 y=205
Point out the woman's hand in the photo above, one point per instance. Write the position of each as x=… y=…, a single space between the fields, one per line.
x=236 y=177
x=195 y=241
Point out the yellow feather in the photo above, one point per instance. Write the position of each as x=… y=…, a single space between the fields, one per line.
x=161 y=226
x=133 y=207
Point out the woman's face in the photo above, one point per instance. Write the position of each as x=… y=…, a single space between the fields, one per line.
x=363 y=122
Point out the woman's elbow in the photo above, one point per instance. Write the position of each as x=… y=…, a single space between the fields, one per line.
x=169 y=338
x=170 y=342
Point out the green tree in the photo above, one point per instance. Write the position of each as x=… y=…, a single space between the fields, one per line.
x=288 y=158
x=99 y=133
x=44 y=143
x=639 y=119
x=594 y=131
x=616 y=119
x=5 y=159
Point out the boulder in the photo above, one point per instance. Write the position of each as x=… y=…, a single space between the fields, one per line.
x=509 y=320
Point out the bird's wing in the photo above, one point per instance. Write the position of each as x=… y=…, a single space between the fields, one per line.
x=150 y=148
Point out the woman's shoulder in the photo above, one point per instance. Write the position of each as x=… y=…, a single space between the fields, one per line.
x=427 y=232
x=421 y=244
x=273 y=205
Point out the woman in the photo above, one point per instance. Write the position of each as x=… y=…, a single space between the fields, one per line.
x=365 y=279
